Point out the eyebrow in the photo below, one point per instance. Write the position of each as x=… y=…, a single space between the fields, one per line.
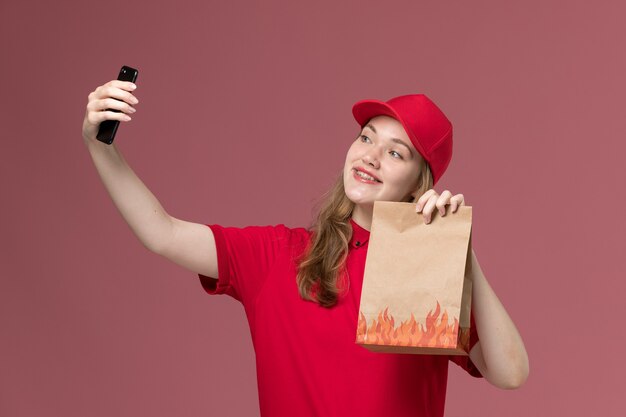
x=396 y=140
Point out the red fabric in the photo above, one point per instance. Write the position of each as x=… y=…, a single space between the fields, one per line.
x=308 y=363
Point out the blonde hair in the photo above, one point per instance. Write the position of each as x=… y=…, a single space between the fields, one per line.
x=323 y=261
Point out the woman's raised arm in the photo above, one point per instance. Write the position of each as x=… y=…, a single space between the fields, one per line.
x=190 y=245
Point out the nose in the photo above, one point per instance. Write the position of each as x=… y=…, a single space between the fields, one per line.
x=371 y=158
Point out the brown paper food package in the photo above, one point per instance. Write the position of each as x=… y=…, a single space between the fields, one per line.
x=416 y=294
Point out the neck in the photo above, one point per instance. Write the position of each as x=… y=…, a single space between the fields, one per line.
x=362 y=215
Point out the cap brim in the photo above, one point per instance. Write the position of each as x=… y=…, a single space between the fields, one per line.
x=364 y=110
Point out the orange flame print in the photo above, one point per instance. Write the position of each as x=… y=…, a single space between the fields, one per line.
x=382 y=331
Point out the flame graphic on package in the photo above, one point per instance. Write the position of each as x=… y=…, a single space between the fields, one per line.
x=382 y=331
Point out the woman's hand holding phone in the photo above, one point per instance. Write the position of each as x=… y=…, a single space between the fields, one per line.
x=116 y=95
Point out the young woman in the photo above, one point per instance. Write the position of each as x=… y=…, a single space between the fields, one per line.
x=301 y=288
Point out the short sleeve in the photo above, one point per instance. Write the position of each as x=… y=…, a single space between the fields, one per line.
x=244 y=259
x=464 y=361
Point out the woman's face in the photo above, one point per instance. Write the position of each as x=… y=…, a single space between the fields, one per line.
x=382 y=164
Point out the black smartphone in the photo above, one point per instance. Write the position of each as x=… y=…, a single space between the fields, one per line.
x=108 y=128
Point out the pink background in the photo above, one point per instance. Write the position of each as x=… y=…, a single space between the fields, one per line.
x=244 y=118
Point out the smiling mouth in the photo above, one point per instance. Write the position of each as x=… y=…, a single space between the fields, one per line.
x=365 y=176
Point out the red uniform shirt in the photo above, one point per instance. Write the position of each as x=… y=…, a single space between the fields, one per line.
x=308 y=363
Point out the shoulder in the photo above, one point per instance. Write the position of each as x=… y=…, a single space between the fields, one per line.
x=279 y=234
x=289 y=239
x=293 y=236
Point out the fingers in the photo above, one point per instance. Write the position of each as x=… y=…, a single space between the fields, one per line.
x=97 y=117
x=430 y=201
x=456 y=201
x=442 y=201
x=123 y=85
x=429 y=207
x=120 y=90
x=421 y=202
x=111 y=101
x=426 y=203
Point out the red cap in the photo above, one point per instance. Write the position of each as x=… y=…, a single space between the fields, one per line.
x=428 y=128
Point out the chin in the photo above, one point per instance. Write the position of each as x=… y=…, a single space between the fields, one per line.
x=360 y=199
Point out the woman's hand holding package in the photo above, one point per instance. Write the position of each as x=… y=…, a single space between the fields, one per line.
x=500 y=355
x=430 y=199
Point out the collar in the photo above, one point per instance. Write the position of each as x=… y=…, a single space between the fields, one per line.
x=360 y=236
